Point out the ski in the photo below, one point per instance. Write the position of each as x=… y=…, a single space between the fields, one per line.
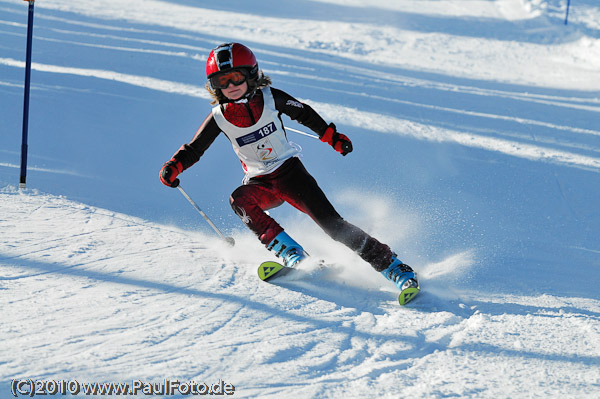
x=408 y=294
x=270 y=269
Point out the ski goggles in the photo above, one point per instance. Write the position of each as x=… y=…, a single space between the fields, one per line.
x=222 y=80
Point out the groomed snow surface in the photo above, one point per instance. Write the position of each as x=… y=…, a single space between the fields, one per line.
x=477 y=159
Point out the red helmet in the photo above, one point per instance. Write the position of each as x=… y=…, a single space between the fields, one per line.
x=229 y=56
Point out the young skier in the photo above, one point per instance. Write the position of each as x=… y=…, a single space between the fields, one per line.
x=248 y=110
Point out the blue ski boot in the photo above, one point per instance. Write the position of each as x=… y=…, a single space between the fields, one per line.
x=405 y=279
x=286 y=248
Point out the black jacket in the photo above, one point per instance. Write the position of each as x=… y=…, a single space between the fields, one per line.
x=191 y=152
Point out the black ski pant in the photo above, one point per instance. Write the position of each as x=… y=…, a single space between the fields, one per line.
x=293 y=184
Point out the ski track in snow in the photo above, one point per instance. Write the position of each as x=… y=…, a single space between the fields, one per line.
x=378 y=43
x=379 y=122
x=102 y=293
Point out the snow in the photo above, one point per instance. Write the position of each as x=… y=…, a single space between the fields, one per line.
x=477 y=158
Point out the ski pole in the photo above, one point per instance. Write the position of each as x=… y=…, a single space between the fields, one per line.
x=314 y=136
x=345 y=146
x=229 y=240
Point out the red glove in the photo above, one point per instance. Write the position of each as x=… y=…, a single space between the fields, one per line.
x=338 y=141
x=169 y=173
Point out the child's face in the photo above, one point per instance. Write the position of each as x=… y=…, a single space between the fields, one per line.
x=234 y=92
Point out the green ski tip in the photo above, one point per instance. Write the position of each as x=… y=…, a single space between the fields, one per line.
x=407 y=295
x=266 y=270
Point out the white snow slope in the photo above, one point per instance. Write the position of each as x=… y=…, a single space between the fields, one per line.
x=477 y=159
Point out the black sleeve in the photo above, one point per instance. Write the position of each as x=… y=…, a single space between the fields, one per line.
x=191 y=152
x=298 y=111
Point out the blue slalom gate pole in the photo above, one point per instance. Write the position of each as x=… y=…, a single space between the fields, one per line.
x=567 y=15
x=23 y=178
